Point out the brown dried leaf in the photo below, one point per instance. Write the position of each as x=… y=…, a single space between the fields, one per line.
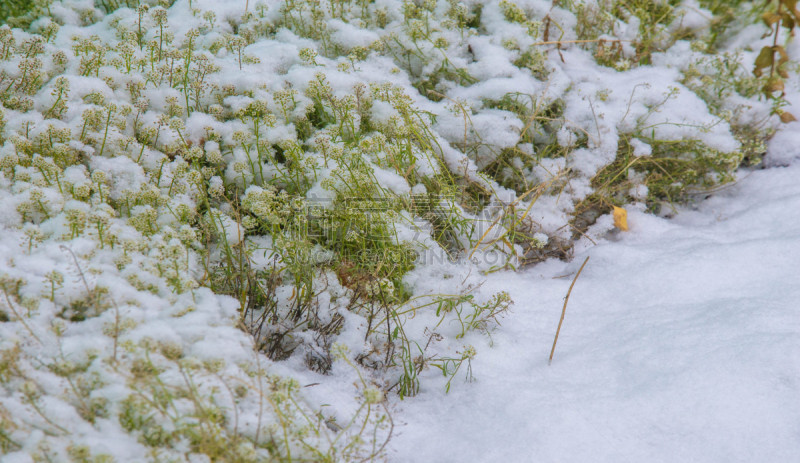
x=764 y=60
x=775 y=84
x=787 y=20
x=770 y=18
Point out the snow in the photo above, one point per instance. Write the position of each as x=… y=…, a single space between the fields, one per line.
x=682 y=335
x=782 y=149
x=681 y=342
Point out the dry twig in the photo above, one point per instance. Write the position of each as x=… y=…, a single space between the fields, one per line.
x=564 y=310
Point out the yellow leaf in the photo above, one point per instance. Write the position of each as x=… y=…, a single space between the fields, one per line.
x=621 y=218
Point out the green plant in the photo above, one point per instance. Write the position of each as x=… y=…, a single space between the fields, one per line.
x=721 y=77
x=597 y=26
x=412 y=354
x=449 y=366
x=728 y=16
x=20 y=13
x=7 y=426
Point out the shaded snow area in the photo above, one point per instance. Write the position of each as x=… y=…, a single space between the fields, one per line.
x=681 y=343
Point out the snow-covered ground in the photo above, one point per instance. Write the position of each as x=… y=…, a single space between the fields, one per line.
x=135 y=200
x=681 y=343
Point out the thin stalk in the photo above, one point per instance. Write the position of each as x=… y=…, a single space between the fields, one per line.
x=564 y=310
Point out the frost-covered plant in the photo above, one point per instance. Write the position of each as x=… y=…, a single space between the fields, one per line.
x=312 y=160
x=626 y=33
x=414 y=352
